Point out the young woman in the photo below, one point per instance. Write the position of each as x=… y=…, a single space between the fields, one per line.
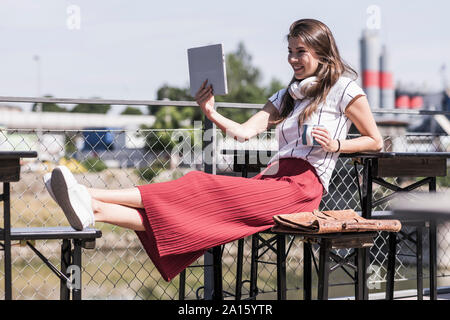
x=178 y=221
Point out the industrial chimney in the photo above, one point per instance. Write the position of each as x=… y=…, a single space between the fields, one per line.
x=370 y=66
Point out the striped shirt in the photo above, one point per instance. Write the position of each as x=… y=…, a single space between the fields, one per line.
x=330 y=113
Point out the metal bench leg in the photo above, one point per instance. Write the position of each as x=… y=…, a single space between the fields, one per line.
x=366 y=253
x=281 y=267
x=254 y=268
x=307 y=281
x=359 y=285
x=76 y=260
x=433 y=248
x=433 y=260
x=182 y=285
x=217 y=267
x=240 y=261
x=7 y=241
x=64 y=293
x=324 y=269
x=391 y=265
x=419 y=263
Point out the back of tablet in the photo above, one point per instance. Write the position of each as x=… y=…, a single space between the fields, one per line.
x=207 y=63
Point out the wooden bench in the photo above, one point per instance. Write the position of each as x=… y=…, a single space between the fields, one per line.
x=327 y=242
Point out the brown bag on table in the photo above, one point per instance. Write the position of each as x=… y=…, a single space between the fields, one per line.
x=318 y=222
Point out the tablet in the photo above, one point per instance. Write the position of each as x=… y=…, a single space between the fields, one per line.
x=207 y=63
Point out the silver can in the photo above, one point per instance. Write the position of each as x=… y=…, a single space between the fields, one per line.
x=307 y=138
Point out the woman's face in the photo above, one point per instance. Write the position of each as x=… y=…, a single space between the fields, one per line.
x=304 y=61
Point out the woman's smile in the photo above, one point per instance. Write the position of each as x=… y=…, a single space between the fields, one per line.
x=298 y=69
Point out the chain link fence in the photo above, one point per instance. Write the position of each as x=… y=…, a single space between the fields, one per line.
x=119 y=268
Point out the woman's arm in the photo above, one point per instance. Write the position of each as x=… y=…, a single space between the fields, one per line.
x=358 y=111
x=257 y=123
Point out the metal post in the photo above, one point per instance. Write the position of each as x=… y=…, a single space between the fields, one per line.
x=281 y=267
x=254 y=267
x=209 y=161
x=7 y=242
x=182 y=288
x=307 y=281
x=419 y=263
x=240 y=261
x=76 y=260
x=366 y=212
x=64 y=293
x=366 y=205
x=391 y=266
x=433 y=260
x=240 y=253
x=324 y=269
x=359 y=287
x=217 y=273
x=433 y=248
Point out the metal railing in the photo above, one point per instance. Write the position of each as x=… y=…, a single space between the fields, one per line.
x=119 y=268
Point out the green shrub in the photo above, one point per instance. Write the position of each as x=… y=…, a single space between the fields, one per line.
x=94 y=164
x=444 y=181
x=148 y=173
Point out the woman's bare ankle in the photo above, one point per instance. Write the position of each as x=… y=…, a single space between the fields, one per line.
x=97 y=209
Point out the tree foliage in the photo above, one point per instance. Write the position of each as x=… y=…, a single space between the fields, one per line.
x=79 y=108
x=132 y=111
x=91 y=108
x=48 y=106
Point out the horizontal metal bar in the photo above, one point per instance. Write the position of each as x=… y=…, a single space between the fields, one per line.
x=188 y=104
x=395 y=193
x=341 y=284
x=410 y=112
x=266 y=262
x=98 y=101
x=406 y=255
x=200 y=266
x=128 y=102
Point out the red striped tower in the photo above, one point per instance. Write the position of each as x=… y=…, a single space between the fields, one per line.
x=387 y=90
x=370 y=66
x=416 y=102
x=403 y=101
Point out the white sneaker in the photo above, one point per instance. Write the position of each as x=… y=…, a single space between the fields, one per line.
x=47 y=181
x=73 y=198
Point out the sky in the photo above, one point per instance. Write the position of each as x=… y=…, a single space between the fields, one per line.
x=118 y=49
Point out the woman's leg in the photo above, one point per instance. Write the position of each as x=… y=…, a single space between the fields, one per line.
x=130 y=197
x=116 y=214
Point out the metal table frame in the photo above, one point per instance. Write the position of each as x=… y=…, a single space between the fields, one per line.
x=378 y=165
x=9 y=172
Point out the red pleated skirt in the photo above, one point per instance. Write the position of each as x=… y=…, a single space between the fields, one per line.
x=185 y=217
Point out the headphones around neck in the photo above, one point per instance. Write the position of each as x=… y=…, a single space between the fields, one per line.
x=298 y=89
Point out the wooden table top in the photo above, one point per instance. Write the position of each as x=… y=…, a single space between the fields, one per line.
x=17 y=154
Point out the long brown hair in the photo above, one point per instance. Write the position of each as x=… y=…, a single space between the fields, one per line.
x=317 y=37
